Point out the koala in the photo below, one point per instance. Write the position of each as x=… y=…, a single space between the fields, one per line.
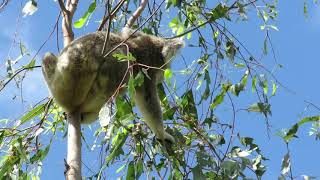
x=82 y=79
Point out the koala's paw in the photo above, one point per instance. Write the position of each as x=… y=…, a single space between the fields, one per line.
x=49 y=64
x=168 y=138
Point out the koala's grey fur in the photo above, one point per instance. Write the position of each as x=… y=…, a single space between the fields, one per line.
x=82 y=79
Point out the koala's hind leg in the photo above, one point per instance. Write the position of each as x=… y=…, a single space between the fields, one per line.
x=149 y=105
x=49 y=65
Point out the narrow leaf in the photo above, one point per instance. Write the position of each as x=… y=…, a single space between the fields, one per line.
x=84 y=18
x=33 y=113
x=130 y=172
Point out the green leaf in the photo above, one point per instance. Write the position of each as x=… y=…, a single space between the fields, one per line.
x=274 y=89
x=253 y=83
x=273 y=27
x=123 y=57
x=117 y=144
x=177 y=3
x=265 y=46
x=308 y=119
x=139 y=79
x=305 y=9
x=23 y=49
x=239 y=65
x=264 y=108
x=218 y=99
x=84 y=18
x=120 y=168
x=130 y=171
x=30 y=64
x=189 y=105
x=231 y=50
x=167 y=76
x=33 y=113
x=29 y=8
x=294 y=129
x=176 y=26
x=131 y=89
x=40 y=155
x=206 y=92
x=139 y=168
x=230 y=167
x=285 y=165
x=8 y=163
x=123 y=108
x=218 y=12
x=291 y=133
x=264 y=85
x=169 y=3
x=197 y=173
x=169 y=113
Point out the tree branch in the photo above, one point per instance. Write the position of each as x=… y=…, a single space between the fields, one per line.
x=137 y=13
x=113 y=12
x=74 y=147
x=70 y=7
x=73 y=170
x=63 y=7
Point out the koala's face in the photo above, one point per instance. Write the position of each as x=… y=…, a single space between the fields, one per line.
x=171 y=48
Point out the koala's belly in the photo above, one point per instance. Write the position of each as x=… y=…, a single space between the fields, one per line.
x=102 y=90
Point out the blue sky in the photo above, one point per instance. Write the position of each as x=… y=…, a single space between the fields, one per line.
x=296 y=47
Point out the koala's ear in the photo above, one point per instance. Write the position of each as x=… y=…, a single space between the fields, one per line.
x=171 y=47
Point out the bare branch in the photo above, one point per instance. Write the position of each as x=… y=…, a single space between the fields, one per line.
x=74 y=147
x=73 y=170
x=137 y=13
x=70 y=6
x=63 y=7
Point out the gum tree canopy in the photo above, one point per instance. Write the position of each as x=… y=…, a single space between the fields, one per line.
x=217 y=97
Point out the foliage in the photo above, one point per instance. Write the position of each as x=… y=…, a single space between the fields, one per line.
x=208 y=146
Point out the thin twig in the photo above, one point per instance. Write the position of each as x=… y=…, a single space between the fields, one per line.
x=113 y=12
x=16 y=73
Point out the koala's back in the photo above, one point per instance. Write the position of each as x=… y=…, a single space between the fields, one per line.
x=87 y=79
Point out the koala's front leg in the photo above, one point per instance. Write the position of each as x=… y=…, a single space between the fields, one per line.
x=148 y=103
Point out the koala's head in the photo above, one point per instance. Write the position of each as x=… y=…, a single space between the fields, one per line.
x=169 y=47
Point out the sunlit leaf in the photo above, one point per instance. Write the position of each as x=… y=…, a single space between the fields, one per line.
x=121 y=168
x=274 y=89
x=30 y=64
x=29 y=8
x=260 y=107
x=33 y=113
x=167 y=75
x=218 y=12
x=285 y=165
x=87 y=14
x=254 y=83
x=40 y=155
